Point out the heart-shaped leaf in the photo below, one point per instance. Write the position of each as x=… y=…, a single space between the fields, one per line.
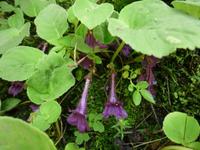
x=51 y=22
x=153 y=28
x=18 y=63
x=181 y=128
x=52 y=79
x=19 y=135
x=91 y=14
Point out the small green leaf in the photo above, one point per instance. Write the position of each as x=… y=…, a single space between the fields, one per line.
x=51 y=111
x=9 y=104
x=19 y=63
x=181 y=128
x=88 y=12
x=51 y=79
x=142 y=85
x=137 y=98
x=32 y=7
x=194 y=145
x=16 y=20
x=98 y=126
x=48 y=25
x=12 y=37
x=19 y=135
x=71 y=17
x=71 y=146
x=130 y=87
x=39 y=121
x=147 y=96
x=125 y=74
x=81 y=137
x=5 y=7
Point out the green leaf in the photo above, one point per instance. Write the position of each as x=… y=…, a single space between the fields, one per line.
x=91 y=14
x=39 y=121
x=48 y=25
x=32 y=7
x=9 y=104
x=137 y=98
x=154 y=28
x=71 y=17
x=51 y=111
x=147 y=96
x=16 y=20
x=71 y=146
x=142 y=85
x=190 y=7
x=175 y=148
x=102 y=34
x=12 y=37
x=194 y=145
x=181 y=128
x=19 y=135
x=5 y=7
x=81 y=137
x=81 y=30
x=98 y=126
x=19 y=63
x=51 y=79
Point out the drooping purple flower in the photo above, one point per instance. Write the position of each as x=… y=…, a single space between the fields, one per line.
x=113 y=106
x=149 y=63
x=34 y=107
x=78 y=116
x=92 y=42
x=126 y=50
x=16 y=88
x=85 y=62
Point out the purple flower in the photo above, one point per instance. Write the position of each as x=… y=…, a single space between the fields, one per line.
x=34 y=107
x=92 y=42
x=78 y=116
x=113 y=106
x=149 y=63
x=126 y=50
x=16 y=88
x=85 y=62
x=43 y=46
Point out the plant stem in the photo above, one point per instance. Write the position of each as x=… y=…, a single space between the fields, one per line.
x=117 y=51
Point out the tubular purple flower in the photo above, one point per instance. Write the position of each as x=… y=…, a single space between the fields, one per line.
x=78 y=116
x=126 y=50
x=16 y=88
x=113 y=106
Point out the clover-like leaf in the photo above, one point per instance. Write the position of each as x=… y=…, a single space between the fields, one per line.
x=91 y=14
x=32 y=7
x=12 y=37
x=181 y=128
x=191 y=7
x=51 y=79
x=153 y=28
x=19 y=63
x=51 y=22
x=19 y=135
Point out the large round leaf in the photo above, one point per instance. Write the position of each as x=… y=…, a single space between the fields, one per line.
x=153 y=28
x=52 y=79
x=181 y=128
x=51 y=22
x=12 y=37
x=188 y=6
x=18 y=63
x=91 y=14
x=32 y=7
x=19 y=135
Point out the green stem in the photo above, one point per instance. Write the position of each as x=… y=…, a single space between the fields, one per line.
x=117 y=52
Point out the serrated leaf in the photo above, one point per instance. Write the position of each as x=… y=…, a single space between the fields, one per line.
x=154 y=28
x=191 y=7
x=48 y=25
x=51 y=111
x=181 y=128
x=147 y=96
x=91 y=14
x=51 y=79
x=5 y=7
x=32 y=7
x=98 y=126
x=137 y=98
x=142 y=84
x=16 y=20
x=12 y=37
x=18 y=135
x=19 y=63
x=9 y=104
x=81 y=137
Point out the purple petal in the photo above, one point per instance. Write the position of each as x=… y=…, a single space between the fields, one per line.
x=126 y=50
x=16 y=88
